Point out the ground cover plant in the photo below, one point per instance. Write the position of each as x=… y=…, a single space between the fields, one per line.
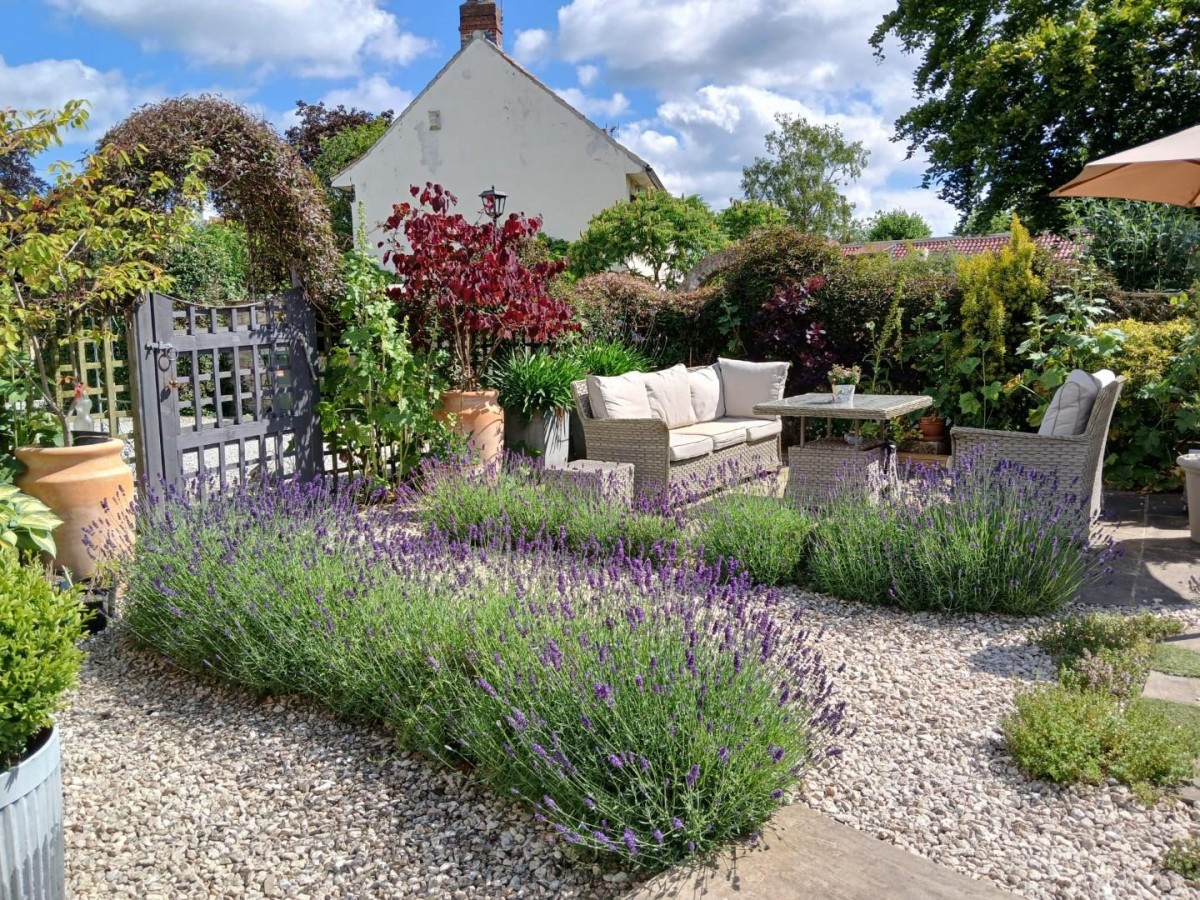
x=647 y=711
x=1184 y=857
x=980 y=538
x=1094 y=724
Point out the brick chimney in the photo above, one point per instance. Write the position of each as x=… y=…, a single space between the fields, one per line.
x=480 y=15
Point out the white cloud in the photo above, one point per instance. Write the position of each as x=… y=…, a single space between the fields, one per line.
x=49 y=83
x=723 y=70
x=314 y=38
x=587 y=75
x=531 y=45
x=595 y=107
x=373 y=94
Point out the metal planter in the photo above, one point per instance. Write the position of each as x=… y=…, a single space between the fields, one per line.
x=542 y=434
x=31 y=825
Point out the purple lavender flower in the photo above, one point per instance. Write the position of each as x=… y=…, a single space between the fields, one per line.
x=693 y=776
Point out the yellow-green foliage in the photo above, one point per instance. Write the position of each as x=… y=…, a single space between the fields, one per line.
x=1148 y=348
x=39 y=661
x=999 y=289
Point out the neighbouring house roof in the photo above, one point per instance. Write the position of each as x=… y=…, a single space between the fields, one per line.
x=1058 y=247
x=341 y=181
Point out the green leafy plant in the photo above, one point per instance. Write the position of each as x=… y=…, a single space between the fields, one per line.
x=765 y=537
x=607 y=358
x=26 y=523
x=210 y=265
x=1183 y=858
x=379 y=394
x=1147 y=246
x=1065 y=736
x=1068 y=639
x=532 y=381
x=1118 y=673
x=39 y=661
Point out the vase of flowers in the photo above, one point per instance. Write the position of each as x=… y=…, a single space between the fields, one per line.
x=842 y=382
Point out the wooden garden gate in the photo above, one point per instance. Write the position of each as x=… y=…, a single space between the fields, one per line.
x=224 y=393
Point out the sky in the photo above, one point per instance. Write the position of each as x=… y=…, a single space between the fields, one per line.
x=692 y=86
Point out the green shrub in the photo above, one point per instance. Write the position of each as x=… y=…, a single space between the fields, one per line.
x=1065 y=736
x=531 y=381
x=39 y=661
x=1118 y=673
x=1068 y=639
x=767 y=537
x=651 y=714
x=609 y=357
x=1183 y=858
x=211 y=266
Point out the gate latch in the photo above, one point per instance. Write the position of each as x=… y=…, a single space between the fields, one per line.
x=166 y=353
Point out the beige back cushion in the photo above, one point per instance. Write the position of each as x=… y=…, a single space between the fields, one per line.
x=707 y=403
x=618 y=397
x=745 y=384
x=669 y=393
x=1071 y=405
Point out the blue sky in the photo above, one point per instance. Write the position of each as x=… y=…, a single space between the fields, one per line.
x=693 y=85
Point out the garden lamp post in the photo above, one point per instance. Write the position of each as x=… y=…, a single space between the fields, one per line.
x=493 y=205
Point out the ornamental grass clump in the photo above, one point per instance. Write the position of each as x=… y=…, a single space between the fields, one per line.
x=518 y=498
x=647 y=710
x=977 y=539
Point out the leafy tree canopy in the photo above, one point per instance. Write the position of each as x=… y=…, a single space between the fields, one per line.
x=895 y=225
x=338 y=150
x=744 y=216
x=318 y=124
x=18 y=178
x=1014 y=96
x=804 y=172
x=655 y=234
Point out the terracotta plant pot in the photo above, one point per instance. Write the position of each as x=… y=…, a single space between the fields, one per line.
x=90 y=488
x=933 y=428
x=478 y=418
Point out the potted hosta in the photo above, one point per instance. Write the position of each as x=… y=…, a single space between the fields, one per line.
x=842 y=382
x=76 y=259
x=39 y=660
x=535 y=393
x=465 y=285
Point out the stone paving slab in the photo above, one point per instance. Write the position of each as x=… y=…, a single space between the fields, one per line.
x=1186 y=641
x=1159 y=557
x=1172 y=688
x=805 y=854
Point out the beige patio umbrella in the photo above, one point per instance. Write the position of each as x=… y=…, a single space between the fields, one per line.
x=1163 y=171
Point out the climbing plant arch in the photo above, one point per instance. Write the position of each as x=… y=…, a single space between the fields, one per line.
x=253 y=177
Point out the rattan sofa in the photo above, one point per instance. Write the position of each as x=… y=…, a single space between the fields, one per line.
x=1077 y=460
x=647 y=444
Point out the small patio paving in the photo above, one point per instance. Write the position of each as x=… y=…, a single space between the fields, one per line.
x=806 y=854
x=1159 y=556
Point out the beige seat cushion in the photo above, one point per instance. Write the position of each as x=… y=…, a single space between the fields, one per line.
x=746 y=384
x=619 y=397
x=707 y=403
x=689 y=446
x=669 y=394
x=756 y=429
x=1071 y=406
x=724 y=432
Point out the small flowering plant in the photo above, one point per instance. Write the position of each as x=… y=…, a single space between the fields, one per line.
x=845 y=374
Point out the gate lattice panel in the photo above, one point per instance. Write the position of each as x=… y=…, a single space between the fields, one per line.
x=223 y=393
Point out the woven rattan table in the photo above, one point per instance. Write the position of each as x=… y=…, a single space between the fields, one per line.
x=819 y=469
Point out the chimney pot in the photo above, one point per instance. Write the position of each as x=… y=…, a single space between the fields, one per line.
x=480 y=16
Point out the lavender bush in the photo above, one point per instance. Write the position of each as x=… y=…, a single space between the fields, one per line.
x=516 y=496
x=977 y=539
x=647 y=710
x=762 y=535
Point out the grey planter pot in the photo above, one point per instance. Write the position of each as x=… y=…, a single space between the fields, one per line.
x=542 y=434
x=31 y=826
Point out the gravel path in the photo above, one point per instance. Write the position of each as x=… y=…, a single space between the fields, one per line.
x=928 y=770
x=177 y=788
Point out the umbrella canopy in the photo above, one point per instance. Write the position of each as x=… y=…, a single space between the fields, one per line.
x=1164 y=171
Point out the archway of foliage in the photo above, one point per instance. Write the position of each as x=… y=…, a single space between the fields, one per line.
x=254 y=179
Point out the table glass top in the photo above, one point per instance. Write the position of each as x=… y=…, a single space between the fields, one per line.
x=864 y=406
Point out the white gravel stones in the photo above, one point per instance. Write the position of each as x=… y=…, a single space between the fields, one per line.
x=928 y=770
x=178 y=788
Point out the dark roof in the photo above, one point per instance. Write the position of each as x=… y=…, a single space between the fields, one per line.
x=1059 y=247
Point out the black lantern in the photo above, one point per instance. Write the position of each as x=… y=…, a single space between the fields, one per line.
x=493 y=202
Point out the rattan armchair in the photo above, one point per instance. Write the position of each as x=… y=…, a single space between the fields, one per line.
x=1077 y=460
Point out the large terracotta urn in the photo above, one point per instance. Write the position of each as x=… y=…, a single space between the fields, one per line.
x=478 y=418
x=90 y=488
